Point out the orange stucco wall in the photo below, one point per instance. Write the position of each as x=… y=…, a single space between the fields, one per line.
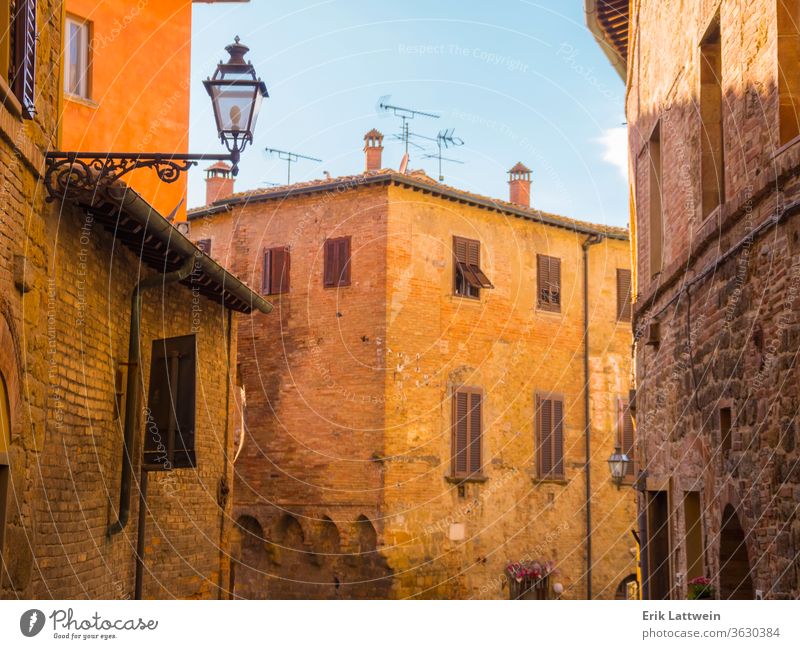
x=139 y=88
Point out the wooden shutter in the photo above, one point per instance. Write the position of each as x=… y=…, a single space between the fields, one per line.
x=460 y=432
x=548 y=283
x=623 y=294
x=266 y=273
x=460 y=249
x=625 y=432
x=545 y=410
x=558 y=438
x=542 y=279
x=22 y=75
x=279 y=270
x=170 y=421
x=343 y=270
x=204 y=245
x=337 y=262
x=475 y=433
x=330 y=263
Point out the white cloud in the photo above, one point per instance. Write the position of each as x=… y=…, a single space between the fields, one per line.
x=615 y=148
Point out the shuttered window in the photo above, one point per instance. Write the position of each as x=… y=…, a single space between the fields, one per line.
x=623 y=294
x=19 y=52
x=550 y=437
x=275 y=271
x=204 y=245
x=337 y=262
x=467 y=431
x=548 y=283
x=625 y=434
x=170 y=416
x=468 y=278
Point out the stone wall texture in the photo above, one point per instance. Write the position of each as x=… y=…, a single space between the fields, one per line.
x=726 y=301
x=342 y=488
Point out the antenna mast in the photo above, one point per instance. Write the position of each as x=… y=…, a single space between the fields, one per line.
x=290 y=157
x=404 y=114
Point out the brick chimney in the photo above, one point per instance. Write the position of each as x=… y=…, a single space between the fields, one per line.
x=373 y=148
x=219 y=182
x=519 y=185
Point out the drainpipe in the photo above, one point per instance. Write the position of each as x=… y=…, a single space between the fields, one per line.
x=590 y=241
x=132 y=389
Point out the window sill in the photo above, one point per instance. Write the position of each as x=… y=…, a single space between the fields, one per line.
x=83 y=101
x=337 y=285
x=9 y=101
x=454 y=479
x=549 y=481
x=553 y=312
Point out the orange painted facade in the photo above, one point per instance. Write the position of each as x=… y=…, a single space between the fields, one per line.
x=138 y=87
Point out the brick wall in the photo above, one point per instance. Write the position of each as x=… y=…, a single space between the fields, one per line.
x=729 y=336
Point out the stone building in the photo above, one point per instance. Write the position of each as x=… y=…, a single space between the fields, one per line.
x=88 y=372
x=416 y=415
x=713 y=91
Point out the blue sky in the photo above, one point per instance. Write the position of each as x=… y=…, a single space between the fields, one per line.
x=517 y=80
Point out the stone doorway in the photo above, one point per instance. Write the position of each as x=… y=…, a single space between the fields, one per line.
x=735 y=581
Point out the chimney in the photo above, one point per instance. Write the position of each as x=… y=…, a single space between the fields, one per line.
x=519 y=185
x=219 y=182
x=373 y=148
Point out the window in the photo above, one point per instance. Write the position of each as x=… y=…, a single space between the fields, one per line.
x=550 y=437
x=788 y=69
x=204 y=245
x=725 y=429
x=468 y=278
x=625 y=436
x=694 y=535
x=5 y=442
x=77 y=61
x=656 y=224
x=337 y=262
x=466 y=432
x=18 y=51
x=275 y=272
x=658 y=582
x=170 y=417
x=712 y=170
x=548 y=283
x=623 y=294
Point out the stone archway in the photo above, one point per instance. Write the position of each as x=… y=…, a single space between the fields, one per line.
x=249 y=567
x=735 y=581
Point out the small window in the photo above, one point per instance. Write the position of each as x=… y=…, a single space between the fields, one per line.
x=725 y=424
x=548 y=283
x=468 y=278
x=76 y=57
x=623 y=294
x=788 y=69
x=656 y=220
x=550 y=437
x=204 y=246
x=466 y=433
x=337 y=262
x=275 y=271
x=170 y=416
x=625 y=435
x=712 y=142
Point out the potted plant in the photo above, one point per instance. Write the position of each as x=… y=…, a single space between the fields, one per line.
x=700 y=588
x=529 y=579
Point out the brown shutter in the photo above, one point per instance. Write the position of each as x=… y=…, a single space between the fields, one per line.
x=23 y=70
x=555 y=280
x=460 y=420
x=460 y=249
x=343 y=274
x=558 y=438
x=545 y=437
x=279 y=270
x=204 y=245
x=330 y=263
x=626 y=434
x=473 y=253
x=543 y=279
x=475 y=433
x=266 y=270
x=623 y=294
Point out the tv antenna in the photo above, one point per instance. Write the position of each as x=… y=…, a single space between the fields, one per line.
x=290 y=157
x=404 y=114
x=444 y=140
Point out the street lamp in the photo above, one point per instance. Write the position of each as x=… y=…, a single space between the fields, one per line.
x=236 y=94
x=618 y=464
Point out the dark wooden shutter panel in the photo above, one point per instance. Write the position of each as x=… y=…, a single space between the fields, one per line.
x=558 y=438
x=475 y=433
x=623 y=294
x=555 y=280
x=474 y=253
x=204 y=245
x=545 y=437
x=460 y=249
x=266 y=279
x=460 y=433
x=330 y=263
x=343 y=276
x=159 y=410
x=22 y=78
x=184 y=445
x=279 y=270
x=543 y=279
x=626 y=434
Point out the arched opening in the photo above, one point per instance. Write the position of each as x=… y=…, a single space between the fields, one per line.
x=367 y=536
x=288 y=532
x=249 y=558
x=628 y=588
x=330 y=541
x=735 y=581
